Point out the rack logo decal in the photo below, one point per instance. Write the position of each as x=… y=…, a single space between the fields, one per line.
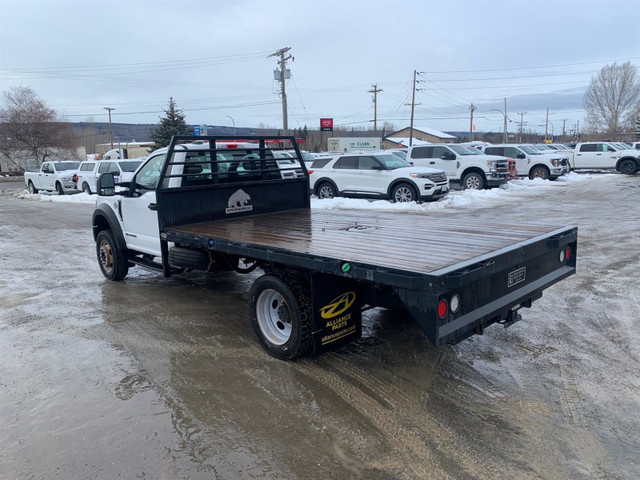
x=338 y=305
x=240 y=201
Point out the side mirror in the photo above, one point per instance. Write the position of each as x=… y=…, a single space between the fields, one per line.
x=376 y=167
x=105 y=185
x=448 y=156
x=521 y=155
x=611 y=149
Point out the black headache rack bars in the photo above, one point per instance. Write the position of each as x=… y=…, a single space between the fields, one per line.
x=209 y=177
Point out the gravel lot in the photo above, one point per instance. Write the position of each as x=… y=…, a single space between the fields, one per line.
x=163 y=378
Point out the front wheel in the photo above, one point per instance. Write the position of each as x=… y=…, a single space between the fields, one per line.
x=112 y=261
x=403 y=193
x=32 y=188
x=280 y=312
x=628 y=167
x=473 y=181
x=86 y=188
x=59 y=188
x=539 y=172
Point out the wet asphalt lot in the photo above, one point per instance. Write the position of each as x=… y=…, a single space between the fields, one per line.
x=159 y=378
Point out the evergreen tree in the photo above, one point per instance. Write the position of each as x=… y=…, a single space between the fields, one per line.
x=173 y=123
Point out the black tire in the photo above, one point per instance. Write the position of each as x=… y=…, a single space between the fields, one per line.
x=280 y=313
x=473 y=181
x=59 y=188
x=32 y=188
x=403 y=193
x=326 y=190
x=86 y=188
x=112 y=261
x=539 y=171
x=627 y=166
x=188 y=258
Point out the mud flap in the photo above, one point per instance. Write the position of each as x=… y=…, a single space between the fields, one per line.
x=337 y=311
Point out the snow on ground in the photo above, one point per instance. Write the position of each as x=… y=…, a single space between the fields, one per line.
x=455 y=199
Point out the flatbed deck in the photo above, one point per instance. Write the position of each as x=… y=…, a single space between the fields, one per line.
x=420 y=244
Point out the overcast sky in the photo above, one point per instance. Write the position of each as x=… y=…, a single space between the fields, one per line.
x=212 y=58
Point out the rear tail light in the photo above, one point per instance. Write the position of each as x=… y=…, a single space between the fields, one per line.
x=310 y=172
x=443 y=308
x=567 y=252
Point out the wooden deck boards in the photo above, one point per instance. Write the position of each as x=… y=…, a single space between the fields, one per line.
x=417 y=243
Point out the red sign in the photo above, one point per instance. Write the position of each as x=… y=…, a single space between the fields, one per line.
x=326 y=124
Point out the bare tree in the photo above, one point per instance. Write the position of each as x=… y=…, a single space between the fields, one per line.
x=30 y=131
x=613 y=98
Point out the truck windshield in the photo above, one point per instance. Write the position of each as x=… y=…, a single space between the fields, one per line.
x=529 y=149
x=462 y=150
x=391 y=161
x=129 y=166
x=66 y=166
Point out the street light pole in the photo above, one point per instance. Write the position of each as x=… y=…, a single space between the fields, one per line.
x=234 y=124
x=505 y=136
x=110 y=127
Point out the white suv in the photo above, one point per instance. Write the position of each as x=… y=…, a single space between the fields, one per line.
x=377 y=175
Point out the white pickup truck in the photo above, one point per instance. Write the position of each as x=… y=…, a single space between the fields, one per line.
x=531 y=162
x=472 y=168
x=589 y=155
x=52 y=176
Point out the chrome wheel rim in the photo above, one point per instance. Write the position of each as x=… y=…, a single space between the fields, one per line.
x=274 y=317
x=540 y=174
x=325 y=192
x=403 y=194
x=105 y=256
x=473 y=183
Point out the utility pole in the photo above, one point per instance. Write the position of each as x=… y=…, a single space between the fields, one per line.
x=375 y=107
x=282 y=62
x=522 y=114
x=413 y=105
x=578 y=131
x=546 y=125
x=472 y=108
x=564 y=121
x=110 y=127
x=506 y=135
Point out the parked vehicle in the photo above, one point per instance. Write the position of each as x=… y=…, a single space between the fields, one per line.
x=605 y=155
x=465 y=165
x=85 y=177
x=531 y=162
x=52 y=176
x=454 y=277
x=121 y=169
x=378 y=175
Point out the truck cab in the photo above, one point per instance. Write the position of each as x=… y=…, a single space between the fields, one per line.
x=466 y=165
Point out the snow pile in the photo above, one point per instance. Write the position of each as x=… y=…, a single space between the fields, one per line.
x=54 y=197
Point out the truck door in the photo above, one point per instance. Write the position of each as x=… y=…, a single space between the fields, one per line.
x=523 y=164
x=586 y=155
x=45 y=177
x=138 y=209
x=445 y=159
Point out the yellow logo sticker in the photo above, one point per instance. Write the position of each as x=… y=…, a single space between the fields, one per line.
x=338 y=305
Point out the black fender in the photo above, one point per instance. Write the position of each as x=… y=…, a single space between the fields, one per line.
x=322 y=180
x=474 y=170
x=634 y=159
x=105 y=219
x=403 y=180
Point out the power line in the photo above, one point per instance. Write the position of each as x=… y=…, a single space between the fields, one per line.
x=536 y=67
